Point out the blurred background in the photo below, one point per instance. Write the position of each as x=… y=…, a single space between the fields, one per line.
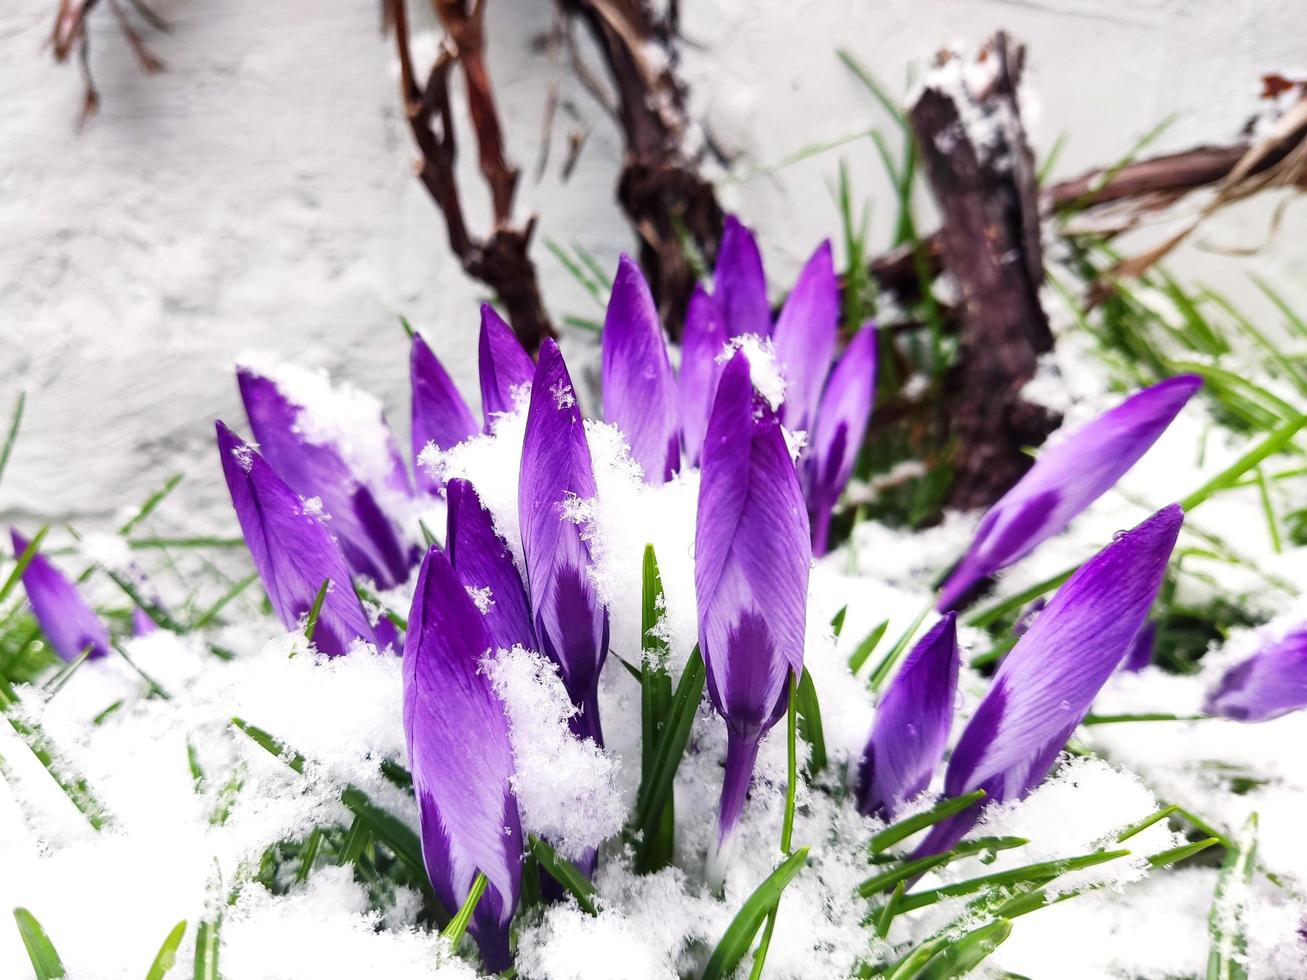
x=258 y=192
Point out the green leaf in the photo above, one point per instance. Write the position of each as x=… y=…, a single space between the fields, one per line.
x=166 y=958
x=896 y=832
x=1025 y=875
x=671 y=746
x=24 y=560
x=207 y=944
x=810 y=722
x=864 y=649
x=963 y=955
x=311 y=624
x=1273 y=443
x=1224 y=921
x=565 y=873
x=837 y=621
x=658 y=835
x=151 y=502
x=882 y=671
x=915 y=869
x=1148 y=821
x=206 y=617
x=45 y=961
x=739 y=934
x=1177 y=854
x=458 y=924
x=12 y=436
x=1014 y=602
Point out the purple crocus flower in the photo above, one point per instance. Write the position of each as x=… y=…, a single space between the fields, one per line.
x=461 y=758
x=1065 y=480
x=841 y=422
x=740 y=283
x=805 y=337
x=142 y=624
x=506 y=369
x=440 y=415
x=640 y=396
x=67 y=620
x=751 y=574
x=371 y=542
x=1047 y=683
x=484 y=564
x=1270 y=683
x=701 y=341
x=292 y=549
x=912 y=724
x=555 y=484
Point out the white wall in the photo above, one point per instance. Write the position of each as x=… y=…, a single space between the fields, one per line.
x=259 y=192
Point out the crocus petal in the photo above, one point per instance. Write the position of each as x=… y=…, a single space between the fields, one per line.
x=1270 y=683
x=1065 y=480
x=440 y=415
x=837 y=434
x=461 y=758
x=292 y=549
x=555 y=483
x=66 y=619
x=701 y=341
x=1047 y=683
x=142 y=624
x=805 y=337
x=484 y=564
x=912 y=724
x=1140 y=654
x=369 y=539
x=739 y=283
x=751 y=573
x=506 y=369
x=640 y=395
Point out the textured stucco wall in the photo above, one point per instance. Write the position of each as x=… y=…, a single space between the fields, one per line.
x=259 y=192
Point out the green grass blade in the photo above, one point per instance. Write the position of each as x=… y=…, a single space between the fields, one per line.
x=676 y=733
x=206 y=617
x=739 y=934
x=809 y=709
x=45 y=961
x=458 y=924
x=1148 y=821
x=963 y=955
x=166 y=958
x=1012 y=603
x=1223 y=922
x=207 y=943
x=905 y=828
x=878 y=92
x=867 y=646
x=151 y=502
x=1177 y=854
x=24 y=560
x=915 y=869
x=1029 y=874
x=12 y=435
x=658 y=835
x=1273 y=443
x=311 y=624
x=565 y=873
x=882 y=671
x=837 y=621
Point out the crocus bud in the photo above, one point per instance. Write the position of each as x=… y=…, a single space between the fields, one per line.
x=912 y=724
x=440 y=415
x=1065 y=480
x=315 y=467
x=292 y=549
x=739 y=284
x=506 y=369
x=461 y=758
x=555 y=486
x=484 y=564
x=702 y=340
x=752 y=555
x=640 y=396
x=1045 y=686
x=805 y=338
x=837 y=432
x=66 y=619
x=1270 y=683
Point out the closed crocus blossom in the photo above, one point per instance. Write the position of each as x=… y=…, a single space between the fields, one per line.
x=556 y=483
x=1045 y=686
x=506 y=369
x=484 y=564
x=440 y=415
x=1066 y=479
x=292 y=549
x=805 y=337
x=1270 y=683
x=750 y=574
x=1140 y=654
x=702 y=341
x=739 y=283
x=639 y=388
x=912 y=724
x=837 y=433
x=461 y=758
x=67 y=620
x=369 y=539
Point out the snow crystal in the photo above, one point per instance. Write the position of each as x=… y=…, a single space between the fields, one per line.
x=764 y=368
x=483 y=597
x=566 y=787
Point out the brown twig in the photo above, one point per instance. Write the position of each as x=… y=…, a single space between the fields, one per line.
x=501 y=261
x=69 y=35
